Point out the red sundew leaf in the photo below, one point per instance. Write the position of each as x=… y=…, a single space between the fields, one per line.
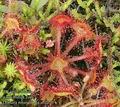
x=24 y=69
x=30 y=81
x=59 y=90
x=61 y=21
x=82 y=30
x=11 y=24
x=94 y=60
x=12 y=21
x=21 y=65
x=29 y=44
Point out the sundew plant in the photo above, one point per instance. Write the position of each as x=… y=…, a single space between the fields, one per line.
x=60 y=53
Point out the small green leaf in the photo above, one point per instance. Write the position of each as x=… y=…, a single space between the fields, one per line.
x=27 y=11
x=109 y=24
x=115 y=18
x=45 y=51
x=49 y=7
x=3 y=85
x=116 y=63
x=65 y=5
x=118 y=91
x=19 y=85
x=97 y=7
x=102 y=9
x=88 y=13
x=77 y=15
x=37 y=4
x=116 y=36
x=3 y=8
x=40 y=13
x=24 y=9
x=89 y=2
x=116 y=73
x=114 y=48
x=1 y=93
x=116 y=79
x=115 y=39
x=44 y=36
x=82 y=4
x=99 y=21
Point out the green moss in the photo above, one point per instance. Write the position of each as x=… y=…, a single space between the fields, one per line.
x=10 y=70
x=4 y=47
